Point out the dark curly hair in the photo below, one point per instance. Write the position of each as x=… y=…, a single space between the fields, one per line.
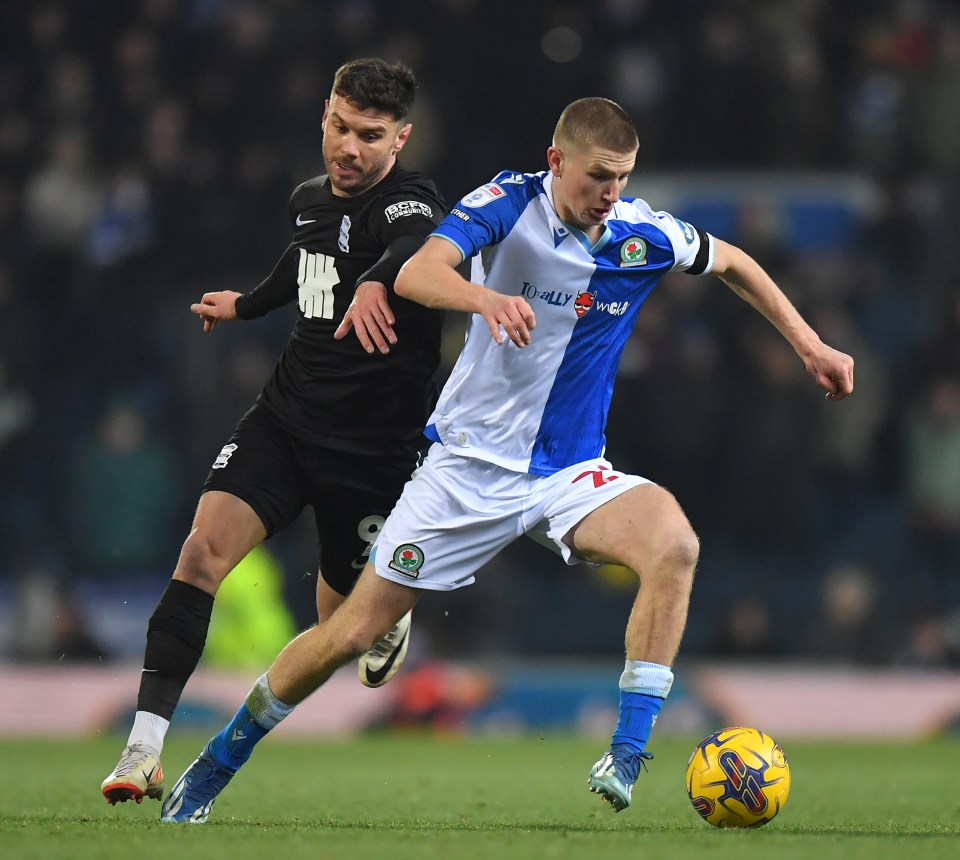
x=374 y=83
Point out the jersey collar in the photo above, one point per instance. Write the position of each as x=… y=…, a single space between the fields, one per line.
x=591 y=248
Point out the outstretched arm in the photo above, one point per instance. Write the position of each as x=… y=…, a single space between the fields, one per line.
x=214 y=307
x=277 y=289
x=830 y=369
x=430 y=278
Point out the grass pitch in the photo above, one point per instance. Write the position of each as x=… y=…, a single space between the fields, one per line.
x=413 y=796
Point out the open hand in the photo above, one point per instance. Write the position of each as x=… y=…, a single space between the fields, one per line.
x=369 y=315
x=508 y=317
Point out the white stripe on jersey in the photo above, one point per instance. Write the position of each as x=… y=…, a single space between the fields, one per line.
x=545 y=407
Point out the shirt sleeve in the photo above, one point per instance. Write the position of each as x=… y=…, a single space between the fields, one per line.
x=485 y=215
x=386 y=269
x=276 y=290
x=401 y=220
x=402 y=213
x=693 y=248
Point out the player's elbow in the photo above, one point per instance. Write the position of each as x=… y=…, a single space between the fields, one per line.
x=402 y=286
x=414 y=281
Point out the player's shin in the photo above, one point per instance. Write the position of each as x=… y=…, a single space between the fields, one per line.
x=175 y=638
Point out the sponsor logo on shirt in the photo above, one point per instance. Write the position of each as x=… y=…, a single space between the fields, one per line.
x=407 y=207
x=483 y=195
x=633 y=252
x=584 y=302
x=615 y=309
x=551 y=297
x=459 y=213
x=587 y=301
x=343 y=240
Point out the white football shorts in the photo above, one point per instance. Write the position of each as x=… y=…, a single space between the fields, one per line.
x=456 y=513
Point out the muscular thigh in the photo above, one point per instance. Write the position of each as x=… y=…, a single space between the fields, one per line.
x=576 y=498
x=630 y=528
x=224 y=530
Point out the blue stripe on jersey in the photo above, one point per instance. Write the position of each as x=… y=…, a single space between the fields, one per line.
x=471 y=234
x=572 y=426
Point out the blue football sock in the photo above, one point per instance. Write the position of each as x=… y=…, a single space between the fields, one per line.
x=643 y=689
x=259 y=714
x=234 y=744
x=638 y=713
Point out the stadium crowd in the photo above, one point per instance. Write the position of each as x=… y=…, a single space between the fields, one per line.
x=147 y=152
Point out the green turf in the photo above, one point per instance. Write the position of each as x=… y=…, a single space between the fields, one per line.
x=419 y=797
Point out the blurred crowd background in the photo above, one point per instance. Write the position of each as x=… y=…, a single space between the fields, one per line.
x=147 y=152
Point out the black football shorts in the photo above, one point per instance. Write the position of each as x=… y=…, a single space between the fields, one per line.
x=278 y=475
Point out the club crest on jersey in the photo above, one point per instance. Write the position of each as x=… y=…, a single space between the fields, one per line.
x=584 y=302
x=224 y=456
x=633 y=252
x=483 y=195
x=407 y=559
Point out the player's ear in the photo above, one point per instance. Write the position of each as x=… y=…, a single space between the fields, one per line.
x=554 y=160
x=402 y=136
x=326 y=112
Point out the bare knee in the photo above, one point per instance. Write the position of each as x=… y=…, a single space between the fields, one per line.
x=204 y=562
x=682 y=548
x=674 y=547
x=679 y=551
x=670 y=556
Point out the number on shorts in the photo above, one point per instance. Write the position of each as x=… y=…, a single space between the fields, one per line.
x=368 y=529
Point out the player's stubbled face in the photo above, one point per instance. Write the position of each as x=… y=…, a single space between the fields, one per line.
x=589 y=182
x=359 y=146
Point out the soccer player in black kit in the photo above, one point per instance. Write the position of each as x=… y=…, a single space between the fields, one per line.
x=339 y=424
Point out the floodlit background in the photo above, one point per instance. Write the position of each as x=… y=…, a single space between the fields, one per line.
x=147 y=152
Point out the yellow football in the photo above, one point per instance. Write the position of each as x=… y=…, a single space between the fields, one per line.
x=738 y=777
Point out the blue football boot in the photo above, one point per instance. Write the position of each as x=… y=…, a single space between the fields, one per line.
x=614 y=775
x=192 y=797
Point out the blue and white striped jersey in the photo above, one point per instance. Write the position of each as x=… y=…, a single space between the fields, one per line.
x=545 y=407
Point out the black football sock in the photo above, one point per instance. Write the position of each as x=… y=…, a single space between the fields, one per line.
x=175 y=638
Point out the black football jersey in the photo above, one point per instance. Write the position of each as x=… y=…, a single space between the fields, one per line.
x=332 y=391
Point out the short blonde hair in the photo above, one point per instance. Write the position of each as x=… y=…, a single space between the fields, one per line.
x=596 y=122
